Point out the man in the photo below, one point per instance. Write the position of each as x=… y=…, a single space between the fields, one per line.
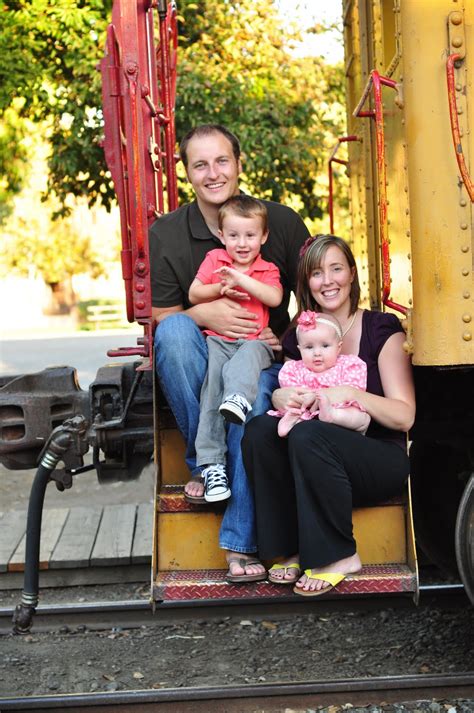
x=178 y=243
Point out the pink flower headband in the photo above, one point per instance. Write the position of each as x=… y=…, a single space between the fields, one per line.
x=309 y=320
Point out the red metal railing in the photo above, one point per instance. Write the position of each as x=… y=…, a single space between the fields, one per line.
x=343 y=162
x=453 y=116
x=138 y=94
x=376 y=82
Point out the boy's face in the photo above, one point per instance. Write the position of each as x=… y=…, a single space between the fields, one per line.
x=243 y=238
x=319 y=348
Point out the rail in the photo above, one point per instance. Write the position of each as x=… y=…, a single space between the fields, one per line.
x=243 y=698
x=455 y=132
x=332 y=159
x=376 y=81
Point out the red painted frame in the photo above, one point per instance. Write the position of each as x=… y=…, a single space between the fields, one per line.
x=376 y=81
x=332 y=159
x=138 y=96
x=453 y=117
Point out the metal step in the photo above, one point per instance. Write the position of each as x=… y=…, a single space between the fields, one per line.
x=188 y=533
x=202 y=585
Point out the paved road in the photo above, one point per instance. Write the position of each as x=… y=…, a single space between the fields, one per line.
x=87 y=352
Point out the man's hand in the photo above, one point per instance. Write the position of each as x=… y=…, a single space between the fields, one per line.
x=266 y=335
x=226 y=317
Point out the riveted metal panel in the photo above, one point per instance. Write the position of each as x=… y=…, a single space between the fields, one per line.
x=440 y=209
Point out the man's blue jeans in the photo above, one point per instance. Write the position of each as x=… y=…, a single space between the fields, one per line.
x=181 y=364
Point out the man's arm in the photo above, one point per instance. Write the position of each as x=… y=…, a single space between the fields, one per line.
x=223 y=316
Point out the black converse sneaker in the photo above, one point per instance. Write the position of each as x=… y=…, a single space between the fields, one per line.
x=235 y=408
x=216 y=483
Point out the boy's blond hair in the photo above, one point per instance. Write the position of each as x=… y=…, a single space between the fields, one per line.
x=244 y=207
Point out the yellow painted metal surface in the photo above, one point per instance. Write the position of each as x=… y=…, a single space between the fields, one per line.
x=440 y=210
x=430 y=215
x=189 y=541
x=173 y=466
x=380 y=534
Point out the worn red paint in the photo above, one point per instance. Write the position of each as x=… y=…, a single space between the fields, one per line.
x=376 y=81
x=138 y=106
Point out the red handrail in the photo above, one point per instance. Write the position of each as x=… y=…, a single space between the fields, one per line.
x=376 y=81
x=138 y=106
x=332 y=159
x=453 y=116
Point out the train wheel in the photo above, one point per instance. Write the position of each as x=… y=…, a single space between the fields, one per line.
x=465 y=539
x=438 y=474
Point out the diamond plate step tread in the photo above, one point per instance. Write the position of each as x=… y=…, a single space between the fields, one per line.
x=211 y=584
x=171 y=499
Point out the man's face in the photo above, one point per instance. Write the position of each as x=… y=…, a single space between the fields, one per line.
x=212 y=169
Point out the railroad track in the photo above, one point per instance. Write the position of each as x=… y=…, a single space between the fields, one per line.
x=136 y=613
x=268 y=698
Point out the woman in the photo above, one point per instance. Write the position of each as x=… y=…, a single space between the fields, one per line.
x=307 y=484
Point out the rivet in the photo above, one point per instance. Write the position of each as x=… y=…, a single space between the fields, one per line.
x=464 y=248
x=456 y=18
x=409 y=278
x=405 y=189
x=467 y=336
x=463 y=202
x=410 y=301
x=408 y=233
x=466 y=317
x=407 y=211
x=409 y=256
x=140 y=304
x=140 y=287
x=466 y=294
x=457 y=42
x=458 y=87
x=460 y=110
x=465 y=271
x=463 y=226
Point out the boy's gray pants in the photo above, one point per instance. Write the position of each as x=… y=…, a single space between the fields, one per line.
x=233 y=368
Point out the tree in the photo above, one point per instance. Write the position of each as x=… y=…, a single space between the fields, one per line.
x=235 y=67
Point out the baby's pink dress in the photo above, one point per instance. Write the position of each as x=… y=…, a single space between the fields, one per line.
x=348 y=370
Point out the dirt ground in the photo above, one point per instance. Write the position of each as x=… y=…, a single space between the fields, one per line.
x=213 y=650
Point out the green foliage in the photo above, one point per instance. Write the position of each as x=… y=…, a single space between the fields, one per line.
x=48 y=57
x=235 y=66
x=13 y=159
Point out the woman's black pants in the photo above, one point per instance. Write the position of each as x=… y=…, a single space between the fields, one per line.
x=306 y=485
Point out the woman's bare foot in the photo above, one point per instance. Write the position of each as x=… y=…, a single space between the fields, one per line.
x=349 y=565
x=285 y=570
x=244 y=565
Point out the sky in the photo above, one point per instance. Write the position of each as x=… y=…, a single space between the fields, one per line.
x=309 y=12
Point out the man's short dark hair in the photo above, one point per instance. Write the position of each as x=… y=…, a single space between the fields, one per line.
x=206 y=130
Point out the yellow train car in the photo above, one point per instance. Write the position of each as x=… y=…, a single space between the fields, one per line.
x=409 y=68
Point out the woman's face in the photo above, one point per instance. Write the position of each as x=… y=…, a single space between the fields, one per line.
x=330 y=283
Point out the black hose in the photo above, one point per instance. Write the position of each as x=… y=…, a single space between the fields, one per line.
x=61 y=440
